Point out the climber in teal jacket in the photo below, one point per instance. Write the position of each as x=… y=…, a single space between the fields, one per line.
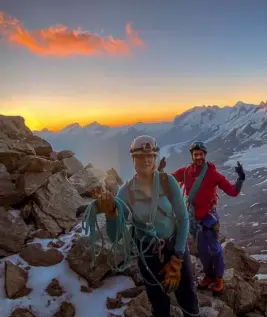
x=161 y=225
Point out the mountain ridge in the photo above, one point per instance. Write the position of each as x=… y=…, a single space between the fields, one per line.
x=190 y=110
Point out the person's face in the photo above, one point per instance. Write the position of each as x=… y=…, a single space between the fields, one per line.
x=198 y=157
x=144 y=164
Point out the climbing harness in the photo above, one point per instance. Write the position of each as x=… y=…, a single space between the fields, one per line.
x=123 y=234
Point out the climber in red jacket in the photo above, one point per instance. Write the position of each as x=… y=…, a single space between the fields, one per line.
x=200 y=180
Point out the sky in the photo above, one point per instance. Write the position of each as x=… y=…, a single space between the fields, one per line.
x=120 y=62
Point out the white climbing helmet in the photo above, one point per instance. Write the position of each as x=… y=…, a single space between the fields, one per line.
x=144 y=144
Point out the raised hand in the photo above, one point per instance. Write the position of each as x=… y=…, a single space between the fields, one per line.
x=239 y=170
x=106 y=204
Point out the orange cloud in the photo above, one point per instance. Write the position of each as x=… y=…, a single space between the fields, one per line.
x=60 y=41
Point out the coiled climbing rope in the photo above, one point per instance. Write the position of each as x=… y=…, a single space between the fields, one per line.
x=124 y=246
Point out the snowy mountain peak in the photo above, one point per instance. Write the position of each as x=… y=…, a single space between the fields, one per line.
x=71 y=127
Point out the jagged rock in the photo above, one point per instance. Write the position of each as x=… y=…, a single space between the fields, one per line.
x=66 y=310
x=65 y=154
x=239 y=294
x=113 y=181
x=10 y=158
x=139 y=307
x=86 y=289
x=235 y=257
x=58 y=244
x=15 y=281
x=57 y=204
x=71 y=165
x=261 y=287
x=87 y=179
x=41 y=146
x=34 y=255
x=132 y=292
x=134 y=272
x=18 y=145
x=114 y=173
x=22 y=312
x=13 y=232
x=13 y=127
x=209 y=305
x=36 y=164
x=29 y=183
x=80 y=261
x=9 y=194
x=114 y=303
x=54 y=288
x=41 y=234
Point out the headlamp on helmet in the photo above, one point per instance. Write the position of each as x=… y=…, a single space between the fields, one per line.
x=144 y=144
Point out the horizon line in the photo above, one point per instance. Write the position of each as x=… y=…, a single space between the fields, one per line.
x=142 y=122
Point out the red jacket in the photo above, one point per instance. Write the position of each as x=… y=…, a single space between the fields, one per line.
x=206 y=196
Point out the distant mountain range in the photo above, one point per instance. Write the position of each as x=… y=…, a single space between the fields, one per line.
x=231 y=134
x=226 y=131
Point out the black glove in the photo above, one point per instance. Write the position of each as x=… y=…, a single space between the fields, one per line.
x=239 y=170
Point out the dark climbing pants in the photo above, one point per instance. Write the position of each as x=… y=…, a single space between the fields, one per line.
x=186 y=292
x=210 y=252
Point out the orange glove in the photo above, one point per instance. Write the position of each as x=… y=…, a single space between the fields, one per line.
x=172 y=272
x=105 y=203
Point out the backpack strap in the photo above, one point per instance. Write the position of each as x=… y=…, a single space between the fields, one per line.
x=130 y=191
x=164 y=182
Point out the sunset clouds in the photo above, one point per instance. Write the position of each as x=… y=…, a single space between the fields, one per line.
x=60 y=41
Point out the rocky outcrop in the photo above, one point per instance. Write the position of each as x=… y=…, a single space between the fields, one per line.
x=57 y=201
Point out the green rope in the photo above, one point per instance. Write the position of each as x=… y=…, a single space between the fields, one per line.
x=123 y=234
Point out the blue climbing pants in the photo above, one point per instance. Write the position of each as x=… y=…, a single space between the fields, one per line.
x=210 y=252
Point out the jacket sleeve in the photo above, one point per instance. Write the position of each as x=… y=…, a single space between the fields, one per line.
x=226 y=186
x=181 y=213
x=114 y=223
x=179 y=174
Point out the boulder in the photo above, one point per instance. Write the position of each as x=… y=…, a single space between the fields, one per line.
x=211 y=306
x=41 y=146
x=239 y=294
x=10 y=159
x=235 y=257
x=34 y=255
x=80 y=261
x=88 y=179
x=13 y=232
x=65 y=154
x=57 y=202
x=139 y=307
x=71 y=165
x=9 y=194
x=29 y=182
x=36 y=164
x=15 y=281
x=66 y=310
x=13 y=127
x=54 y=288
x=22 y=312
